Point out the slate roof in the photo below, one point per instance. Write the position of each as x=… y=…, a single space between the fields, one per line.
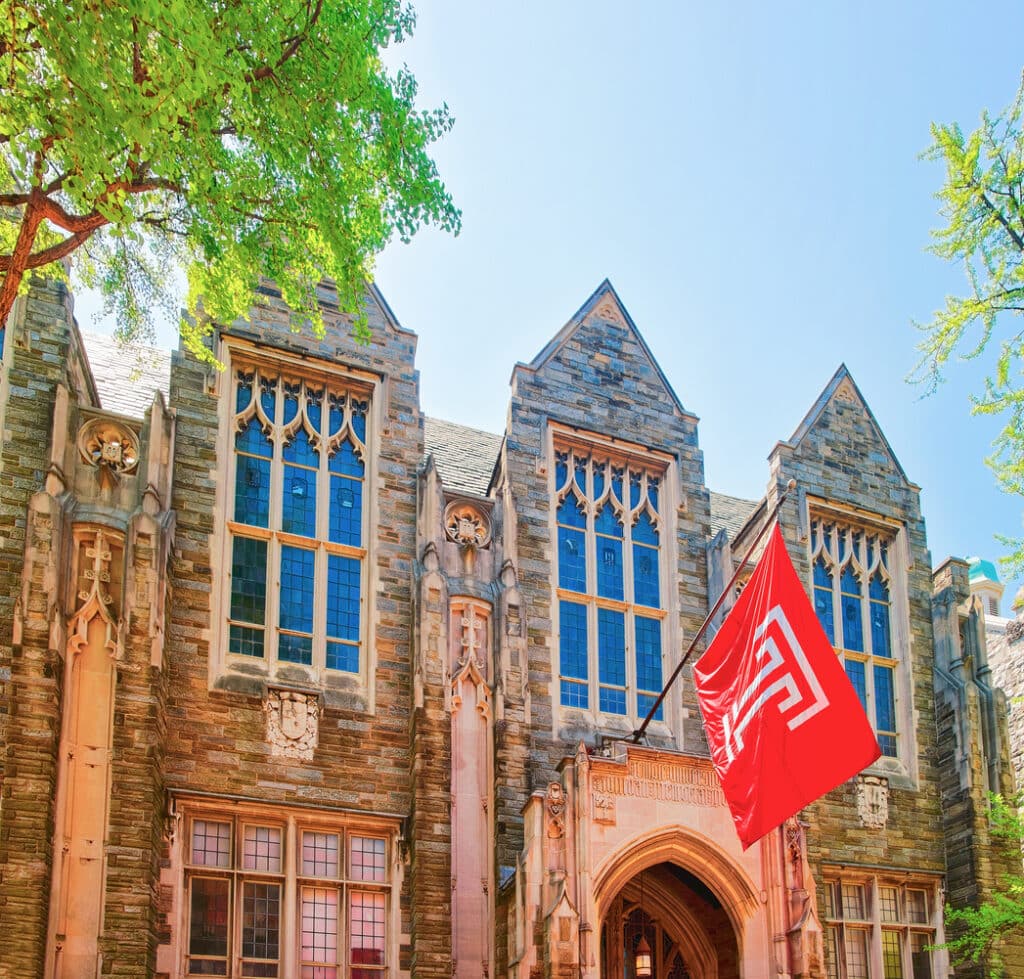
x=729 y=512
x=464 y=456
x=126 y=377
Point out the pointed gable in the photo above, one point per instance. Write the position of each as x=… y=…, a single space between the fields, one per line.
x=594 y=327
x=841 y=395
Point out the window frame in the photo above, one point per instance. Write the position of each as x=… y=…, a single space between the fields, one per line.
x=632 y=457
x=837 y=926
x=902 y=763
x=241 y=355
x=293 y=882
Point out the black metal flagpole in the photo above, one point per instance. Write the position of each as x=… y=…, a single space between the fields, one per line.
x=639 y=732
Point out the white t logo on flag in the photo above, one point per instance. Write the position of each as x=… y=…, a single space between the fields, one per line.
x=779 y=679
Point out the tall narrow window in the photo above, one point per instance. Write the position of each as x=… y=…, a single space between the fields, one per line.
x=609 y=527
x=296 y=522
x=852 y=574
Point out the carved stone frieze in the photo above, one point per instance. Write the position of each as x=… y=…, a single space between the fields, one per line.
x=467 y=524
x=873 y=801
x=293 y=723
x=108 y=446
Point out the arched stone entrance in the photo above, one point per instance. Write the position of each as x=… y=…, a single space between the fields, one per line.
x=690 y=901
x=686 y=927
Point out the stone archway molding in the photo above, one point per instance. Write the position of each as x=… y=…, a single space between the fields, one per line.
x=693 y=852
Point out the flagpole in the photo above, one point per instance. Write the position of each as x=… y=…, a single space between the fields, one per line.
x=639 y=732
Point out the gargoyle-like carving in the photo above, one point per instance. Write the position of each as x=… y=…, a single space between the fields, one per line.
x=556 y=811
x=293 y=723
x=873 y=801
x=110 y=447
x=467 y=524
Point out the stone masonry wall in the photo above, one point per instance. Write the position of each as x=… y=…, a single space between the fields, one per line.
x=42 y=349
x=216 y=736
x=842 y=458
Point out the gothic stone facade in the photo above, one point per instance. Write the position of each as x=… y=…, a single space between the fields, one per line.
x=296 y=682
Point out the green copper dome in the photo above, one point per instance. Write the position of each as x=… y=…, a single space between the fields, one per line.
x=981 y=570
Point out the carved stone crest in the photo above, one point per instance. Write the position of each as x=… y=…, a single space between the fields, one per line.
x=604 y=808
x=109 y=447
x=873 y=801
x=556 y=811
x=467 y=524
x=293 y=723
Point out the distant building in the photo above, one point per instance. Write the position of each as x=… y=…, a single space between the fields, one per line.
x=297 y=682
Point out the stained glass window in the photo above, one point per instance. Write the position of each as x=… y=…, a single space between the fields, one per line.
x=297 y=521
x=332 y=895
x=609 y=579
x=852 y=575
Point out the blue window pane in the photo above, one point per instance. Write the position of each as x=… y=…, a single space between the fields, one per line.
x=291 y=403
x=822 y=575
x=823 y=609
x=243 y=393
x=612 y=701
x=252 y=491
x=572 y=562
x=885 y=701
x=644 y=702
x=644 y=530
x=855 y=671
x=853 y=627
x=652 y=493
x=252 y=440
x=248 y=580
x=611 y=659
x=634 y=489
x=346 y=513
x=570 y=514
x=343 y=656
x=607 y=523
x=245 y=642
x=646 y=585
x=561 y=473
x=609 y=567
x=648 y=654
x=300 y=451
x=295 y=649
x=881 y=637
x=298 y=501
x=313 y=402
x=346 y=462
x=359 y=420
x=297 y=582
x=268 y=399
x=573 y=640
x=575 y=694
x=887 y=742
x=343 y=591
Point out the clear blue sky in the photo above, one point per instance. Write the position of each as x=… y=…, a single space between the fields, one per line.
x=748 y=177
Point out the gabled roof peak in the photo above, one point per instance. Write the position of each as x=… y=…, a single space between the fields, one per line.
x=604 y=301
x=842 y=387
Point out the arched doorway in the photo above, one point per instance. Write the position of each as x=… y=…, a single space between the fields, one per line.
x=685 y=925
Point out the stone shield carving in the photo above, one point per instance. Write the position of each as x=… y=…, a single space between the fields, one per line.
x=467 y=524
x=293 y=723
x=873 y=801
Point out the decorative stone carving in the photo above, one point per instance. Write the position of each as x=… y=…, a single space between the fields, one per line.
x=846 y=393
x=604 y=808
x=293 y=723
x=610 y=313
x=109 y=447
x=873 y=801
x=466 y=524
x=794 y=839
x=556 y=811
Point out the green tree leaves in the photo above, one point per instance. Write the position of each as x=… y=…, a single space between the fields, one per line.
x=239 y=139
x=982 y=202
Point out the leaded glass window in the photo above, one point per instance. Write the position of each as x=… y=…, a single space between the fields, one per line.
x=297 y=521
x=245 y=892
x=852 y=586
x=609 y=569
x=878 y=928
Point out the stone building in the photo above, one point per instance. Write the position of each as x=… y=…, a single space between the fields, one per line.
x=297 y=682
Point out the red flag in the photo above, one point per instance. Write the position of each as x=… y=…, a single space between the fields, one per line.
x=783 y=721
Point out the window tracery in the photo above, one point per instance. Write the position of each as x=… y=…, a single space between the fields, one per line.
x=609 y=527
x=852 y=584
x=297 y=520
